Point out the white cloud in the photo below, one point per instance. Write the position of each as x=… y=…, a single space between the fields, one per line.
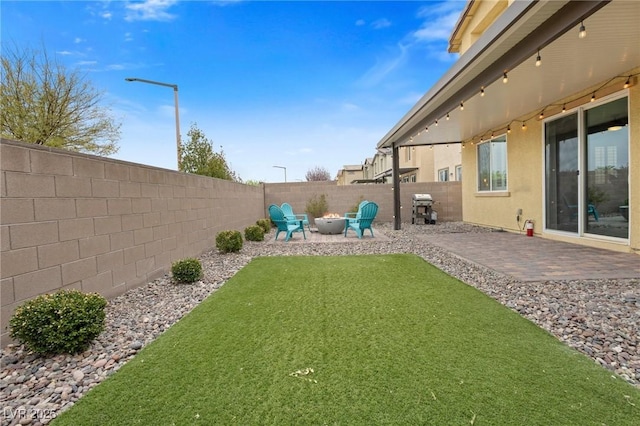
x=348 y=106
x=106 y=15
x=383 y=67
x=380 y=23
x=128 y=37
x=439 y=21
x=150 y=10
x=78 y=40
x=64 y=53
x=86 y=63
x=360 y=22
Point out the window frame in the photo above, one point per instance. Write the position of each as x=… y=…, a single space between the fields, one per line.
x=446 y=174
x=502 y=138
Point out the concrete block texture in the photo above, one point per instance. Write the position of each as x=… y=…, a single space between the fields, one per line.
x=72 y=220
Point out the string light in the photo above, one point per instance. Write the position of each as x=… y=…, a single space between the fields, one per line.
x=524 y=126
x=627 y=83
x=447 y=116
x=593 y=97
x=426 y=129
x=541 y=116
x=564 y=108
x=509 y=129
x=461 y=108
x=482 y=91
x=436 y=122
x=504 y=77
x=583 y=30
x=538 y=59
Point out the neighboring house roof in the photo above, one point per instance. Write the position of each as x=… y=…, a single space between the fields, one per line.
x=353 y=168
x=511 y=44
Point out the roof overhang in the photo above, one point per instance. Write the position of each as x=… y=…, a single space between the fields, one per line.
x=511 y=44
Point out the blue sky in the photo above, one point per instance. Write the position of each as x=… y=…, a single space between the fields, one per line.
x=297 y=84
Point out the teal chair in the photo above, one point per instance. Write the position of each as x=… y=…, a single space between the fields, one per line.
x=366 y=214
x=289 y=214
x=283 y=224
x=354 y=215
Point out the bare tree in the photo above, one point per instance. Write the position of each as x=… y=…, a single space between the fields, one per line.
x=42 y=102
x=317 y=174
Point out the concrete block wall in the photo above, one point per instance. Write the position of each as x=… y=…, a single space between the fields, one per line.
x=71 y=220
x=341 y=198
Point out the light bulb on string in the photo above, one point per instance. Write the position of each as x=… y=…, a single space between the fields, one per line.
x=482 y=92
x=524 y=126
x=538 y=59
x=447 y=116
x=509 y=129
x=461 y=106
x=583 y=31
x=593 y=97
x=564 y=108
x=627 y=83
x=505 y=79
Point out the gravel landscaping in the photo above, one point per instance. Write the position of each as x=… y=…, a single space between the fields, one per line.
x=600 y=318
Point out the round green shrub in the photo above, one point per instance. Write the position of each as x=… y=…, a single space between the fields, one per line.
x=265 y=224
x=187 y=270
x=229 y=241
x=254 y=233
x=63 y=322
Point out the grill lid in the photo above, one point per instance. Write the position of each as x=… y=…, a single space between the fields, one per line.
x=422 y=197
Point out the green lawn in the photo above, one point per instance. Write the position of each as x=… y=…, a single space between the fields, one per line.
x=390 y=340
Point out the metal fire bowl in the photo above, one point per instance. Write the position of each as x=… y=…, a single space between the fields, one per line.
x=330 y=225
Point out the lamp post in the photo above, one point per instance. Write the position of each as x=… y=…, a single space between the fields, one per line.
x=285 y=172
x=175 y=98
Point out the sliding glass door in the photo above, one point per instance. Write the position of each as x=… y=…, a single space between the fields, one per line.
x=607 y=179
x=587 y=171
x=561 y=172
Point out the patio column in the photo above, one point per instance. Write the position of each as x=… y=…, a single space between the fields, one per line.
x=395 y=175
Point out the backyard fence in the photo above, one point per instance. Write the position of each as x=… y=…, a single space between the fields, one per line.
x=70 y=220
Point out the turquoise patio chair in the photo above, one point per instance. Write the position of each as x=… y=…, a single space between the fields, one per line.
x=355 y=215
x=283 y=224
x=289 y=214
x=365 y=216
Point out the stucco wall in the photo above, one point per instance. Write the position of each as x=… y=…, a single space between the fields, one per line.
x=78 y=221
x=525 y=162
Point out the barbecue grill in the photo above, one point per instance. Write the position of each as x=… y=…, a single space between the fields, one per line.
x=422 y=208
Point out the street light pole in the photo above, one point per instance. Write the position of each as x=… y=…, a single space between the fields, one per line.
x=175 y=100
x=285 y=172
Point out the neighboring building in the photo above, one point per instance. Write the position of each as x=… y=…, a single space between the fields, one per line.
x=348 y=174
x=544 y=103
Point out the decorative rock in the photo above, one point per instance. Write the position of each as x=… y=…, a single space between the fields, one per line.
x=78 y=375
x=597 y=317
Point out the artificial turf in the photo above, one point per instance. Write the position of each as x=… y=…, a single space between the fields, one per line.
x=379 y=339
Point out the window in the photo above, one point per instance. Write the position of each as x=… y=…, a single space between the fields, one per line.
x=459 y=173
x=492 y=165
x=443 y=175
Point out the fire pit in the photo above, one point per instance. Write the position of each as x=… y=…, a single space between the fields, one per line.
x=330 y=223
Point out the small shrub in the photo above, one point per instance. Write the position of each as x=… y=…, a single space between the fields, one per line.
x=265 y=224
x=63 y=322
x=317 y=206
x=356 y=207
x=187 y=270
x=254 y=233
x=229 y=241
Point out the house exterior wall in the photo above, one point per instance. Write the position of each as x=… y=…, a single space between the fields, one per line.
x=70 y=220
x=446 y=156
x=525 y=163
